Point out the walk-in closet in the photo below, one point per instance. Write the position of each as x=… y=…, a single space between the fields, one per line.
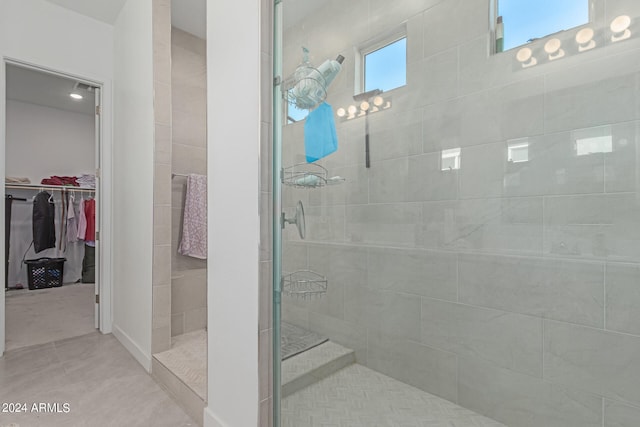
x=51 y=226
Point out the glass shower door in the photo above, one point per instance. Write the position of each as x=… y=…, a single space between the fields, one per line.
x=475 y=234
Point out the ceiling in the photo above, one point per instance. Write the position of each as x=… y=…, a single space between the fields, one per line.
x=102 y=10
x=49 y=90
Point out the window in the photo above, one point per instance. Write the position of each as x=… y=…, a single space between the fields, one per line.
x=385 y=67
x=518 y=151
x=450 y=159
x=293 y=113
x=527 y=20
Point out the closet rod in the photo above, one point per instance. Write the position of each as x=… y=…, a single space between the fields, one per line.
x=49 y=187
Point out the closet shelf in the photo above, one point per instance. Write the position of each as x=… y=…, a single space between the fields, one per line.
x=304 y=284
x=308 y=175
x=48 y=187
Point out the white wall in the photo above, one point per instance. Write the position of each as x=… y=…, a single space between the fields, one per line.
x=133 y=179
x=51 y=37
x=234 y=233
x=44 y=141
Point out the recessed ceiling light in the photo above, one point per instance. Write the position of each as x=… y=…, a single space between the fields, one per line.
x=76 y=96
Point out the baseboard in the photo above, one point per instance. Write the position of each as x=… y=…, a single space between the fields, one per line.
x=210 y=419
x=133 y=348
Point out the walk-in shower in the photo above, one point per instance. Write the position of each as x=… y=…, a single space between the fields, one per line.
x=474 y=240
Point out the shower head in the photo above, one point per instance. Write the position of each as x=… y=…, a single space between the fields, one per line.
x=366 y=95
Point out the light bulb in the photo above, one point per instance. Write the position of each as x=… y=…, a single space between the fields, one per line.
x=552 y=47
x=352 y=109
x=378 y=101
x=620 y=24
x=525 y=56
x=364 y=106
x=341 y=112
x=584 y=38
x=620 y=28
x=76 y=96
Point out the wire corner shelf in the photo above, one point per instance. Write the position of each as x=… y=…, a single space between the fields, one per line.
x=308 y=175
x=304 y=284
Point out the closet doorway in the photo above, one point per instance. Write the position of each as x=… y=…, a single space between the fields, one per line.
x=52 y=254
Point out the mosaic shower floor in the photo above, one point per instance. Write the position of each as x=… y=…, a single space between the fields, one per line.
x=357 y=396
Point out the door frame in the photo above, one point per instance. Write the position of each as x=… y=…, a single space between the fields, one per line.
x=103 y=185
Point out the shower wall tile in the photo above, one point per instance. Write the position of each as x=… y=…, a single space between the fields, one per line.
x=381 y=311
x=381 y=13
x=452 y=22
x=187 y=131
x=323 y=223
x=508 y=112
x=385 y=224
x=427 y=180
x=438 y=75
x=162 y=306
x=395 y=134
x=294 y=314
x=620 y=415
x=266 y=87
x=177 y=324
x=593 y=226
x=620 y=171
x=265 y=357
x=623 y=298
x=426 y=273
x=295 y=256
x=161 y=265
x=554 y=168
x=415 y=32
x=520 y=400
x=388 y=181
x=266 y=157
x=569 y=291
x=195 y=320
x=162 y=185
x=487 y=161
x=187 y=292
x=188 y=159
x=266 y=232
x=508 y=225
x=162 y=144
x=583 y=358
x=508 y=340
x=597 y=102
x=162 y=225
x=426 y=368
x=162 y=103
x=354 y=190
x=266 y=295
x=439 y=229
x=345 y=333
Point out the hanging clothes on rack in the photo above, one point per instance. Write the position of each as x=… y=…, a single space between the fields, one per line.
x=89 y=260
x=44 y=229
x=72 y=225
x=8 y=202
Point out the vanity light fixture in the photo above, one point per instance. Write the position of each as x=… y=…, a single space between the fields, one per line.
x=585 y=40
x=620 y=28
x=554 y=49
x=525 y=57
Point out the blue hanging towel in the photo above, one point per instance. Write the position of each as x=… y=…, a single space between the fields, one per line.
x=320 y=138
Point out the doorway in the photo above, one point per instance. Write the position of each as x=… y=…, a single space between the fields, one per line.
x=52 y=196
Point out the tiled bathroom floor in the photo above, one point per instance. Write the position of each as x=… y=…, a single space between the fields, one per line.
x=45 y=315
x=360 y=397
x=95 y=375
